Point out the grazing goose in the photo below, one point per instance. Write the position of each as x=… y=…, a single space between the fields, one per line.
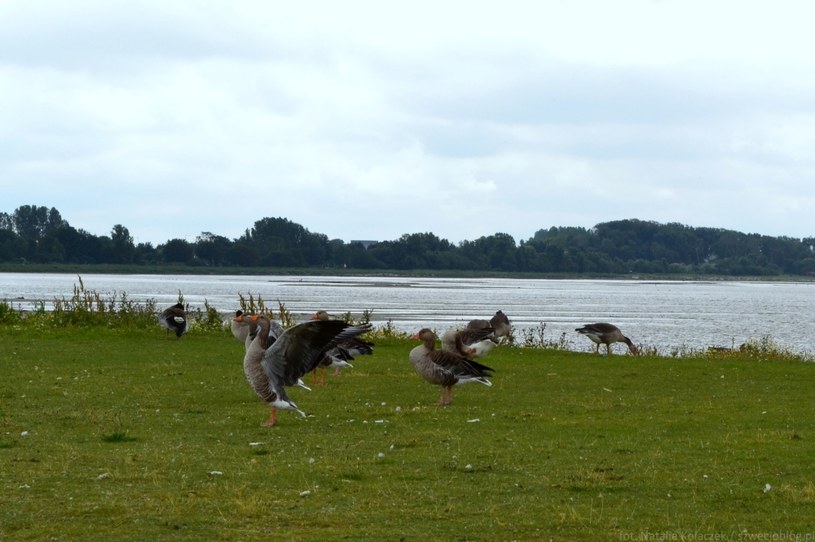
x=174 y=319
x=444 y=368
x=603 y=333
x=499 y=324
x=339 y=356
x=294 y=353
x=468 y=341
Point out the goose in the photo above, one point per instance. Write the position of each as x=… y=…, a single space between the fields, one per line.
x=499 y=324
x=243 y=325
x=339 y=356
x=256 y=344
x=468 y=341
x=174 y=319
x=271 y=367
x=444 y=368
x=603 y=333
x=482 y=348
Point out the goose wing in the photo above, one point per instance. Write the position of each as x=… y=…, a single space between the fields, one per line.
x=598 y=328
x=474 y=335
x=275 y=330
x=458 y=364
x=300 y=349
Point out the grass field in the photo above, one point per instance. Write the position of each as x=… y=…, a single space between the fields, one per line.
x=115 y=435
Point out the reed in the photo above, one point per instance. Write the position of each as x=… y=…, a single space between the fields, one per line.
x=89 y=308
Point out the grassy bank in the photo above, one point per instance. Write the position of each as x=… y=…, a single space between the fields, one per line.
x=131 y=435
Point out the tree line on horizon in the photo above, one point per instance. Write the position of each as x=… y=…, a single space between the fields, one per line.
x=37 y=234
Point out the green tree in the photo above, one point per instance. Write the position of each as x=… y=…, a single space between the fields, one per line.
x=495 y=252
x=281 y=242
x=177 y=251
x=123 y=248
x=145 y=253
x=6 y=222
x=213 y=249
x=33 y=222
x=243 y=253
x=412 y=251
x=11 y=246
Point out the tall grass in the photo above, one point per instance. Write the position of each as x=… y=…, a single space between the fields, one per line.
x=84 y=308
x=87 y=307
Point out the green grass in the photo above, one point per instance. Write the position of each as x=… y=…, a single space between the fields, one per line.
x=131 y=435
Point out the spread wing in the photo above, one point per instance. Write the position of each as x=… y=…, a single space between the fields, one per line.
x=300 y=349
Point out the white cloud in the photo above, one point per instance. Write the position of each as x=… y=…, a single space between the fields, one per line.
x=370 y=120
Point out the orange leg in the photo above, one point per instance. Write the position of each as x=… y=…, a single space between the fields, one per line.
x=272 y=418
x=315 y=380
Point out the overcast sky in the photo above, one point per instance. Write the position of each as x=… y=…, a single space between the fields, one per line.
x=369 y=120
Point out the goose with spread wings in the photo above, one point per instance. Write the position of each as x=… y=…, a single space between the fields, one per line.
x=297 y=351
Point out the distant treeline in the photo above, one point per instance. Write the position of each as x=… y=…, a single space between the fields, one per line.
x=33 y=234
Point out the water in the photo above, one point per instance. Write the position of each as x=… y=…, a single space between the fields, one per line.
x=667 y=315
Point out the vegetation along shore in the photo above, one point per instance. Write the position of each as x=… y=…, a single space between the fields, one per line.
x=39 y=235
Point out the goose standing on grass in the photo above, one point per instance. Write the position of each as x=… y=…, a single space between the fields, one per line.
x=607 y=334
x=355 y=346
x=256 y=345
x=174 y=319
x=499 y=323
x=445 y=369
x=294 y=353
x=339 y=356
x=243 y=325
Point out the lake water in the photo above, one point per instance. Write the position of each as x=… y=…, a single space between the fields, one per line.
x=667 y=315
